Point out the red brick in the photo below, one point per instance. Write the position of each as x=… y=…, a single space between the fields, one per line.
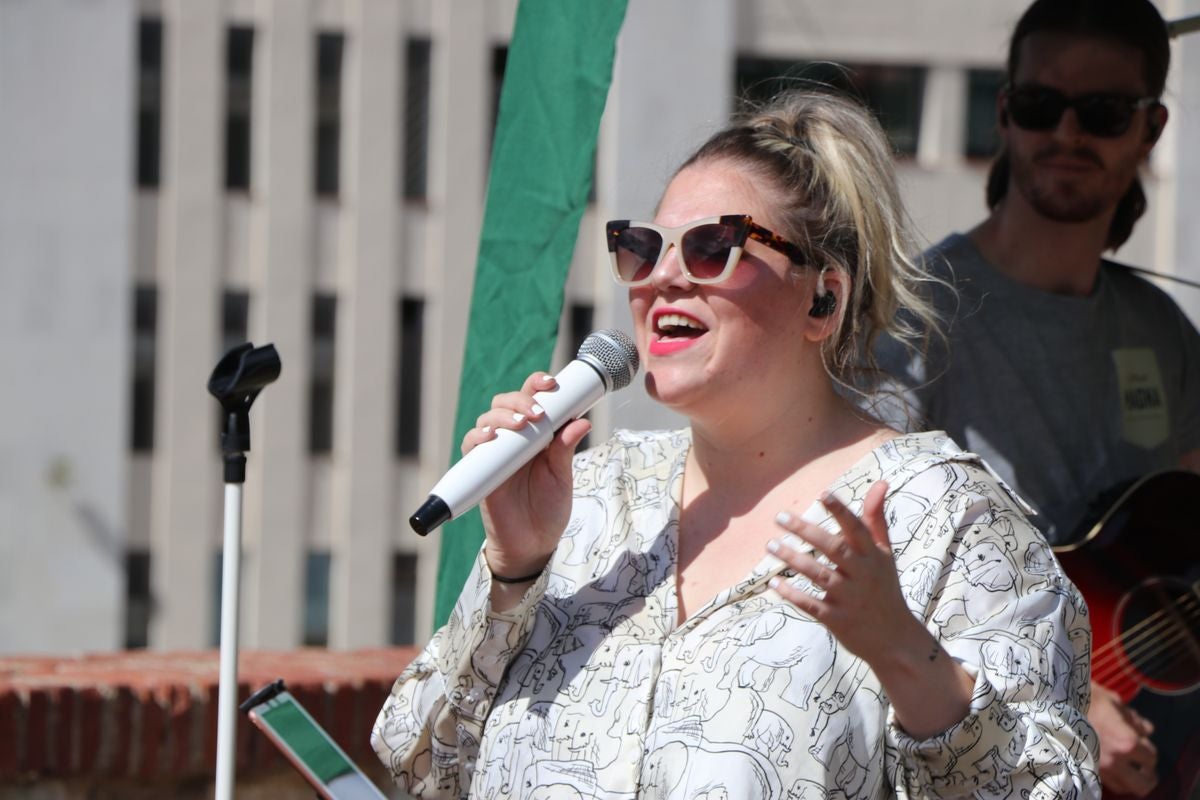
x=91 y=713
x=119 y=733
x=12 y=724
x=208 y=747
x=37 y=732
x=343 y=717
x=141 y=715
x=62 y=717
x=151 y=733
x=179 y=743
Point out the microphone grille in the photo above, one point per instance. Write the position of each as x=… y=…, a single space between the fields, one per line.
x=614 y=353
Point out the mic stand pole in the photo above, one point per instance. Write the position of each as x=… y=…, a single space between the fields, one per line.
x=238 y=378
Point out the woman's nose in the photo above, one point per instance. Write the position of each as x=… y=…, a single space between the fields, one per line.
x=668 y=273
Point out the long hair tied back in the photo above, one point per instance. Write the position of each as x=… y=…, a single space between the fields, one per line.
x=828 y=166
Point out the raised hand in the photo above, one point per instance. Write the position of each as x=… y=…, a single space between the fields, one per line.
x=863 y=606
x=525 y=517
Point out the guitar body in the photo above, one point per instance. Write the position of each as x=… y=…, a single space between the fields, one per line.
x=1138 y=567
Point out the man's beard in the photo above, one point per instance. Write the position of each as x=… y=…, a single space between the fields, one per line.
x=1062 y=200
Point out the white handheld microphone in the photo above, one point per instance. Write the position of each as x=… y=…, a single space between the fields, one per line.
x=607 y=361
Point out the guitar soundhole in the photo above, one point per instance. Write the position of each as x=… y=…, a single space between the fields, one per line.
x=1159 y=632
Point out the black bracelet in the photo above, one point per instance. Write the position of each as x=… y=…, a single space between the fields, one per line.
x=505 y=579
x=522 y=579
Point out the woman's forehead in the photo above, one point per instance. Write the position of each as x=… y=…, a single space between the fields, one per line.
x=713 y=188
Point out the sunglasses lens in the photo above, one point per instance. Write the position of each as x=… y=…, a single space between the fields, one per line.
x=637 y=253
x=1104 y=115
x=1036 y=109
x=1040 y=109
x=706 y=249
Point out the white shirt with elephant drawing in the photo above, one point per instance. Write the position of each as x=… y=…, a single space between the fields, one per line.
x=591 y=688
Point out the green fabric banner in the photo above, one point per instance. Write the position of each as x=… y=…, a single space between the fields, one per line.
x=555 y=84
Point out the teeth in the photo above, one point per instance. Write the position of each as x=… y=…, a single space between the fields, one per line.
x=678 y=321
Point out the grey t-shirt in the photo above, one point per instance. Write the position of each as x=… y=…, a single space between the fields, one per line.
x=1067 y=398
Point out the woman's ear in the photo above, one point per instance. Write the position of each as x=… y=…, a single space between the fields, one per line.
x=828 y=299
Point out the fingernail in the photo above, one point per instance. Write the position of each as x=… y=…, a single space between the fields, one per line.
x=773 y=546
x=774 y=583
x=537 y=409
x=518 y=417
x=784 y=518
x=486 y=429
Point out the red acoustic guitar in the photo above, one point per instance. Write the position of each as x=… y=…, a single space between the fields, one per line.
x=1138 y=567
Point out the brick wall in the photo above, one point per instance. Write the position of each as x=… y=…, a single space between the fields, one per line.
x=140 y=719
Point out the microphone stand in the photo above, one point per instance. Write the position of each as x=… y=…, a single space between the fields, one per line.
x=237 y=379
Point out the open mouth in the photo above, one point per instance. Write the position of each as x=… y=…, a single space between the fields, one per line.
x=672 y=327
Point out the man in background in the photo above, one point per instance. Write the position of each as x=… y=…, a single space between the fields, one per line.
x=1070 y=374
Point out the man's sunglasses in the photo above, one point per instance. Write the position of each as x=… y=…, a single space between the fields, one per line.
x=708 y=249
x=1105 y=114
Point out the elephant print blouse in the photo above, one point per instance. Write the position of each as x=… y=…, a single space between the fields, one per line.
x=591 y=688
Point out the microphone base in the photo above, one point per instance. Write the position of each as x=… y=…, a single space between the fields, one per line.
x=431 y=514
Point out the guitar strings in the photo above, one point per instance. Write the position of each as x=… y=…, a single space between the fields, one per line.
x=1143 y=666
x=1159 y=658
x=1147 y=644
x=1143 y=642
x=1128 y=637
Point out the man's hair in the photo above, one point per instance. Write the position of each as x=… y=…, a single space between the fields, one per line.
x=1132 y=23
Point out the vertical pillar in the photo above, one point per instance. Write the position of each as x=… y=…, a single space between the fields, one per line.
x=459 y=129
x=367 y=281
x=186 y=503
x=281 y=281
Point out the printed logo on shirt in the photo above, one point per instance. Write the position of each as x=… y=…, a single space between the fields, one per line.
x=1144 y=416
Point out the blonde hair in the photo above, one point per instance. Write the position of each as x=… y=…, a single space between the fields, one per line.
x=828 y=166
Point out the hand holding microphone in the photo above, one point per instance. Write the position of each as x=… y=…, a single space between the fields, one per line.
x=606 y=361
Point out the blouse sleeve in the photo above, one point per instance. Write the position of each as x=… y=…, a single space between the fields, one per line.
x=1001 y=606
x=429 y=729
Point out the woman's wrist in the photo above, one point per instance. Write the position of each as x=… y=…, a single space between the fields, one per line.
x=512 y=572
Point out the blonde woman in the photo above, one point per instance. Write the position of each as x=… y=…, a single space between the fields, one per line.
x=784 y=599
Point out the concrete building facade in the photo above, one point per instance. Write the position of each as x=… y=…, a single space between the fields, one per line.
x=180 y=175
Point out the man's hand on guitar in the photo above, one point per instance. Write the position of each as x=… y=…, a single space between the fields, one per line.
x=1127 y=756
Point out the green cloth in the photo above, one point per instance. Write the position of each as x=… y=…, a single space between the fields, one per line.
x=555 y=85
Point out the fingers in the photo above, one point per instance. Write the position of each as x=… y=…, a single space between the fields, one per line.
x=1130 y=777
x=855 y=531
x=873 y=516
x=1142 y=725
x=786 y=549
x=511 y=410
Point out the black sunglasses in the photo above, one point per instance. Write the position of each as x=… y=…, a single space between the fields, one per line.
x=1105 y=114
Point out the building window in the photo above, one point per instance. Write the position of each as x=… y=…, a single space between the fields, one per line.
x=145 y=328
x=329 y=112
x=404 y=598
x=408 y=376
x=416 y=119
x=239 y=71
x=983 y=140
x=235 y=318
x=320 y=419
x=499 y=66
x=138 y=603
x=149 y=120
x=893 y=93
x=316 y=599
